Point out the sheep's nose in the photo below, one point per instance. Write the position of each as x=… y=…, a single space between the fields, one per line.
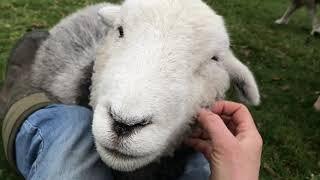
x=122 y=129
x=126 y=126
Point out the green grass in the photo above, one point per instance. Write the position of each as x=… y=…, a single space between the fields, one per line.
x=284 y=59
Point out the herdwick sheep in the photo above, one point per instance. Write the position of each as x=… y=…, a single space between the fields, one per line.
x=152 y=65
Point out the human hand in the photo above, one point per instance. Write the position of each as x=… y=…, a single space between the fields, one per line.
x=230 y=141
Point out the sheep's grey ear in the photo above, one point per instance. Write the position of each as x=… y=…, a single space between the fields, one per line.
x=109 y=14
x=242 y=79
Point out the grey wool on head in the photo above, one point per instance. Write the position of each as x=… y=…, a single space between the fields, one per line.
x=63 y=64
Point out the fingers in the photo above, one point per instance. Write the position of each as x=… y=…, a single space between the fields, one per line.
x=239 y=113
x=214 y=126
x=200 y=133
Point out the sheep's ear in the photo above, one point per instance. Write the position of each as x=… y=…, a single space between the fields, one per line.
x=242 y=79
x=109 y=14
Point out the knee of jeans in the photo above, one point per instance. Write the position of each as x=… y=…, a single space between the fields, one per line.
x=198 y=161
x=73 y=115
x=62 y=118
x=75 y=110
x=65 y=125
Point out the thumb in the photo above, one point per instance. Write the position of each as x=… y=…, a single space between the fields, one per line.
x=215 y=127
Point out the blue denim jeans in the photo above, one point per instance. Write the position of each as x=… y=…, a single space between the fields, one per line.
x=56 y=143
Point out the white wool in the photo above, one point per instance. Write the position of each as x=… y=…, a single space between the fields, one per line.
x=174 y=57
x=162 y=67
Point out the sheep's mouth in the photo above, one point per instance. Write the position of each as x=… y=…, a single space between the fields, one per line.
x=119 y=155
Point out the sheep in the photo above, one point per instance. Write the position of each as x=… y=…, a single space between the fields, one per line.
x=146 y=68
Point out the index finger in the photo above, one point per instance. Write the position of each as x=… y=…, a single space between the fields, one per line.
x=239 y=113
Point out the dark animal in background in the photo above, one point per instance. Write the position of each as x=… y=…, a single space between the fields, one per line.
x=317 y=104
x=311 y=5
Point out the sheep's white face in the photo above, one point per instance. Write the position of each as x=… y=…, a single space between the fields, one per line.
x=161 y=61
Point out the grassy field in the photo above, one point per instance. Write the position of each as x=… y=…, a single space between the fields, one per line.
x=284 y=59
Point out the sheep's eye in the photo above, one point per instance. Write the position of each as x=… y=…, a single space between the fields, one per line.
x=215 y=58
x=121 y=33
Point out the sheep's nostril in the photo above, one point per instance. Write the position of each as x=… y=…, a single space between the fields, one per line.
x=126 y=126
x=122 y=129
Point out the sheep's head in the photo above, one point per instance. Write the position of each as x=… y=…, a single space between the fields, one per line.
x=160 y=62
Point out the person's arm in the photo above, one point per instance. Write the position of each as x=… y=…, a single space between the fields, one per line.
x=230 y=141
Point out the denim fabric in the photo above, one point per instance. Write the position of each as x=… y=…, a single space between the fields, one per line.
x=56 y=143
x=197 y=168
